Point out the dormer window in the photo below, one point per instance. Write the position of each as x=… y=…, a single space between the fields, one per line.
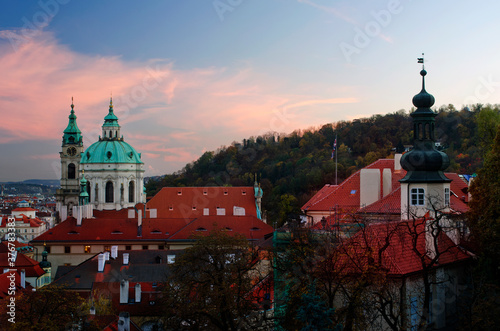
x=417 y=197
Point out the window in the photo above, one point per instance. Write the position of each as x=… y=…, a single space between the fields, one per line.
x=446 y=197
x=88 y=189
x=131 y=192
x=67 y=249
x=109 y=192
x=71 y=171
x=107 y=248
x=128 y=247
x=86 y=249
x=161 y=247
x=145 y=247
x=47 y=248
x=417 y=196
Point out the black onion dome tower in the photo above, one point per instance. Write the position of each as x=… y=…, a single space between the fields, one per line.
x=424 y=164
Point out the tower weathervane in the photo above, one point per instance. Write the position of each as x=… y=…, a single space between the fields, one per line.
x=421 y=60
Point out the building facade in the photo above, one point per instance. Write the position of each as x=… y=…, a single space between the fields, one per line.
x=112 y=169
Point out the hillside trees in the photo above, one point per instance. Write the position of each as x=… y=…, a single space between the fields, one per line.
x=300 y=163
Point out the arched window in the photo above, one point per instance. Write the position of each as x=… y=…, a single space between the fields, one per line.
x=131 y=191
x=88 y=189
x=71 y=171
x=109 y=192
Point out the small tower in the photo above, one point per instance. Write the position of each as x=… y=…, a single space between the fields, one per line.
x=71 y=150
x=425 y=187
x=46 y=266
x=258 y=198
x=84 y=195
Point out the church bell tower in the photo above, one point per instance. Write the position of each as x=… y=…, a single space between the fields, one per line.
x=70 y=154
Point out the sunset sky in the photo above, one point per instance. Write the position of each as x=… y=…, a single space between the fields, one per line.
x=189 y=76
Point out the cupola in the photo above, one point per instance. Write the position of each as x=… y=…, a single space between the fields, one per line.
x=424 y=163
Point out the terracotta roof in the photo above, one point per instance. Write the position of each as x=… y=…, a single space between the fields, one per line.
x=24 y=209
x=33 y=222
x=249 y=226
x=153 y=229
x=398 y=258
x=5 y=284
x=346 y=196
x=150 y=295
x=31 y=267
x=390 y=204
x=189 y=202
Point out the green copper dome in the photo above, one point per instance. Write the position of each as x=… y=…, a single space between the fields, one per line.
x=110 y=151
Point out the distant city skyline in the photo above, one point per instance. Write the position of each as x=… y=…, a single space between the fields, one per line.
x=190 y=76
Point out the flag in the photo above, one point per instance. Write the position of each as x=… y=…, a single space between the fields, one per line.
x=334 y=147
x=420 y=60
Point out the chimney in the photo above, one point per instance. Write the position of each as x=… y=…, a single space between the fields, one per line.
x=114 y=252
x=386 y=181
x=23 y=278
x=139 y=223
x=124 y=321
x=106 y=256
x=124 y=291
x=397 y=161
x=137 y=292
x=369 y=186
x=125 y=258
x=101 y=260
x=78 y=212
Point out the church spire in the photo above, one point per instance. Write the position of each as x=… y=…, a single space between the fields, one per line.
x=424 y=163
x=72 y=134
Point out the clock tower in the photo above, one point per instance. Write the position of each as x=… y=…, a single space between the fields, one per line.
x=70 y=154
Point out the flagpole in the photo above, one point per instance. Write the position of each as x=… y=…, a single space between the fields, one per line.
x=336 y=159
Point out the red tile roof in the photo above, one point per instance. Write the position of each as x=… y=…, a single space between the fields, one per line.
x=153 y=229
x=31 y=267
x=33 y=222
x=24 y=209
x=399 y=258
x=5 y=284
x=249 y=226
x=189 y=202
x=346 y=196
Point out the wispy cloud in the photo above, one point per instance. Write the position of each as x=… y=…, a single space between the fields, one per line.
x=329 y=10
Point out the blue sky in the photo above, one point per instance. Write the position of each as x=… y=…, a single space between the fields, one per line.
x=189 y=76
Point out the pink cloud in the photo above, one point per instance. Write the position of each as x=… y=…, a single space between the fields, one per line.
x=189 y=106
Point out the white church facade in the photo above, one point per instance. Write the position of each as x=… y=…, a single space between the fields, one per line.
x=111 y=169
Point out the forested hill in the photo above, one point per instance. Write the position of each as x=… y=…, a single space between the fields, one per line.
x=291 y=168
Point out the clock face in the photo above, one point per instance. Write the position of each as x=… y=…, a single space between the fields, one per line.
x=71 y=151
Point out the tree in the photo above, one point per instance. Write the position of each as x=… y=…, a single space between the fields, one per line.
x=484 y=223
x=211 y=284
x=49 y=308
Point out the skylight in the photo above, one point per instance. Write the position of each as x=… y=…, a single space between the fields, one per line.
x=353 y=191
